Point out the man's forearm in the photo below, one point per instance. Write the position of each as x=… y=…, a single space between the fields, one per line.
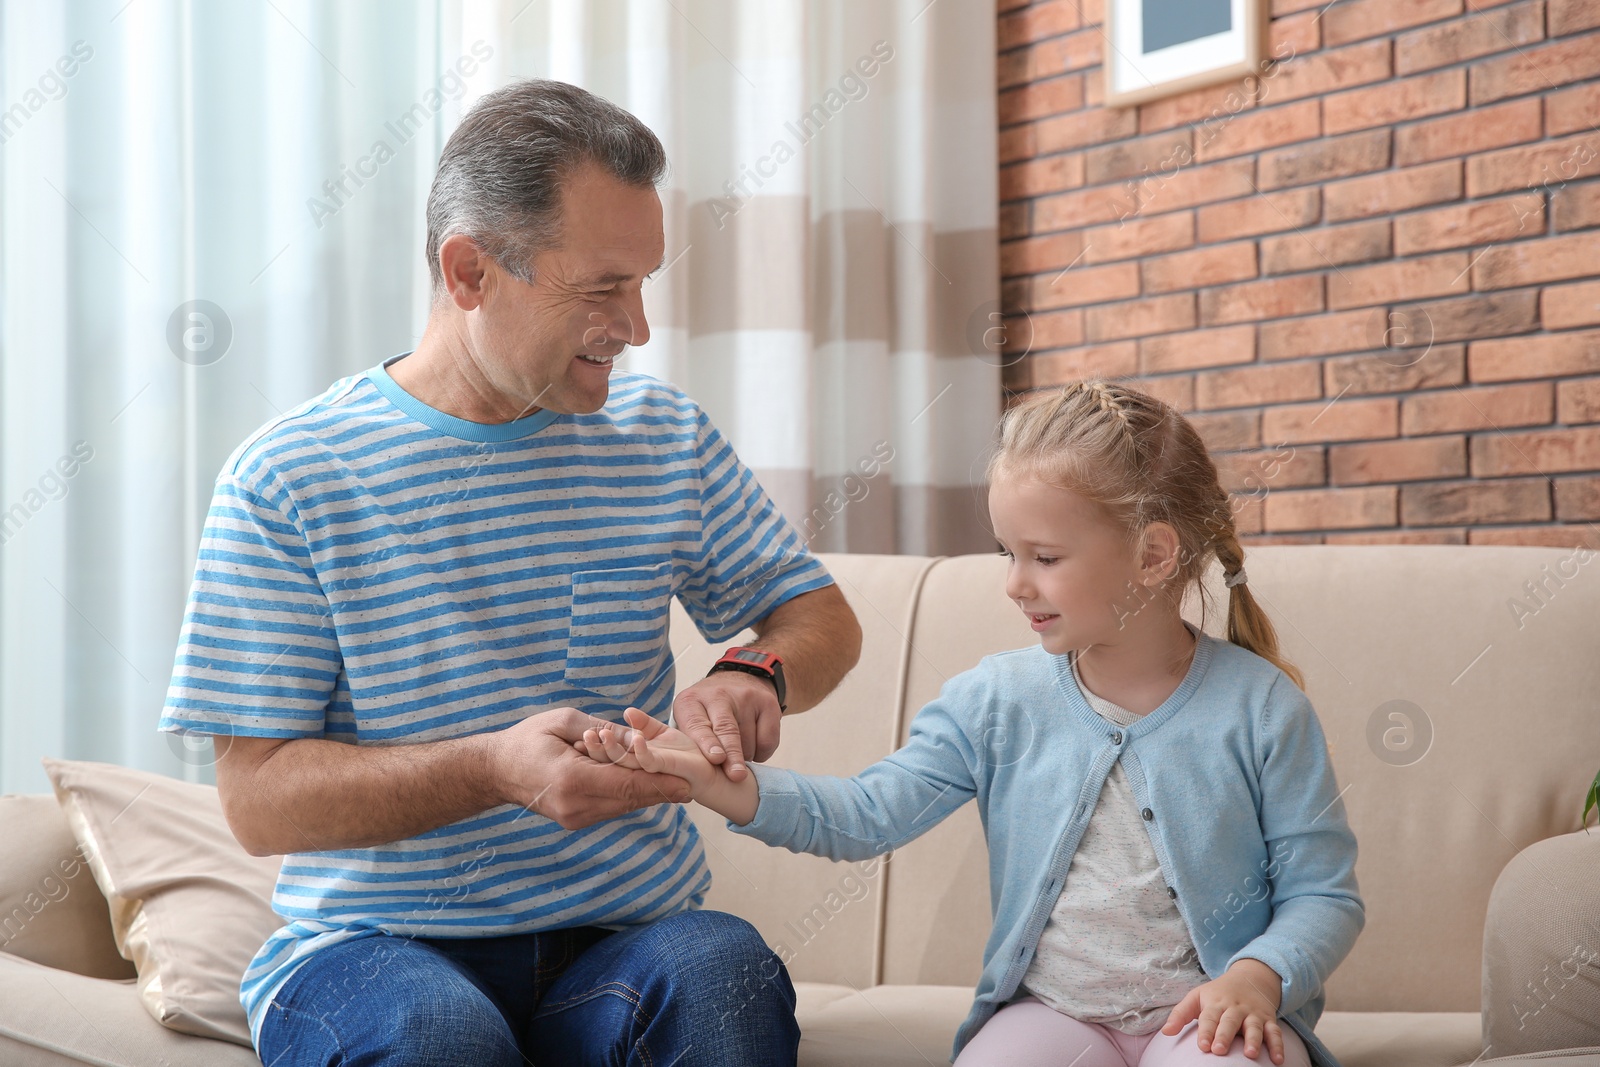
x=312 y=795
x=819 y=640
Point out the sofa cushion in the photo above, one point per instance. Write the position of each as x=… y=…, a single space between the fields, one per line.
x=914 y=1025
x=189 y=906
x=55 y=1018
x=51 y=911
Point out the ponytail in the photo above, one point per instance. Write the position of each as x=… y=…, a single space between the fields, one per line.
x=1248 y=625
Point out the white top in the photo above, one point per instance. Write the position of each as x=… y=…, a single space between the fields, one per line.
x=1115 y=949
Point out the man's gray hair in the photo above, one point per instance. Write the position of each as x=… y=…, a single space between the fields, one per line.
x=500 y=176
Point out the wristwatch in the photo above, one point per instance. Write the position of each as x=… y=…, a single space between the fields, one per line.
x=754 y=661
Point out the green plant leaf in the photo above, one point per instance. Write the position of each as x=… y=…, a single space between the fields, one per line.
x=1590 y=801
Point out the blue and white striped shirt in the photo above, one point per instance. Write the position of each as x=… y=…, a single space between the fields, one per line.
x=376 y=572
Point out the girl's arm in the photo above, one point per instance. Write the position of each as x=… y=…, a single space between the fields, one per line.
x=1316 y=906
x=891 y=802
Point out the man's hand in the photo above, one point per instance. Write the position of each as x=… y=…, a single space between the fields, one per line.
x=1243 y=1001
x=535 y=764
x=654 y=746
x=733 y=717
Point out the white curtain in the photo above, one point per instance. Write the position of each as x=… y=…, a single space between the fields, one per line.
x=211 y=210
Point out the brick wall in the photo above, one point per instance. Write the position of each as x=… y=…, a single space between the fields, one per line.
x=1371 y=277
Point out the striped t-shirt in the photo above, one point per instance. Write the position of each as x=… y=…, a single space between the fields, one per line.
x=374 y=571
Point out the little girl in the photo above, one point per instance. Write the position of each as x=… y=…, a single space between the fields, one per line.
x=1167 y=851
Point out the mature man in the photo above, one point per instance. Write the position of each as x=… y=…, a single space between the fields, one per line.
x=414 y=592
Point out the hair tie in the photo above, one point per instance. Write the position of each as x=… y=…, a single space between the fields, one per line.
x=1236 y=578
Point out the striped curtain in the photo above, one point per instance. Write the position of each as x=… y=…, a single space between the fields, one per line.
x=211 y=211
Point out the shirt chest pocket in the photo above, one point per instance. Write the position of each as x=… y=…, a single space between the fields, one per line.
x=617 y=642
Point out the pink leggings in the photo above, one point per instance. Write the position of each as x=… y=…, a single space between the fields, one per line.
x=1030 y=1033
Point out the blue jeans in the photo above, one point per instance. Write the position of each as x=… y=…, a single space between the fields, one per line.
x=696 y=988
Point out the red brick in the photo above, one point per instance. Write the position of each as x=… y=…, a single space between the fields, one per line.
x=1570 y=16
x=1532 y=262
x=1275 y=383
x=1548 y=536
x=1577 y=499
x=1265 y=213
x=1339 y=419
x=1273 y=298
x=1258 y=129
x=1200 y=184
x=1354 y=20
x=1468 y=317
x=1321 y=73
x=1138 y=236
x=1471 y=37
x=1117 y=360
x=1198 y=348
x=1398 y=537
x=1225 y=430
x=1561 y=307
x=1283 y=467
x=1033 y=255
x=1081 y=207
x=1046 y=18
x=1487 y=408
x=1474 y=223
x=1325 y=509
x=1538 y=452
x=1477 y=130
x=1324 y=160
x=1395 y=101
x=1039 y=99
x=1397 y=461
x=1034 y=177
x=1550 y=356
x=1213 y=265
x=1139 y=318
x=1535 y=69
x=1175 y=390
x=1017 y=142
x=1197 y=105
x=1548 y=162
x=1249 y=514
x=1282 y=539
x=1014 y=220
x=1289 y=7
x=1578 y=401
x=1081 y=128
x=1326 y=246
x=1576 y=206
x=1571 y=110
x=1084 y=285
x=1394 y=191
x=1476 y=502
x=1057 y=329
x=1319 y=335
x=1408 y=279
x=1377 y=372
x=1294 y=35
x=1046 y=59
x=1163 y=153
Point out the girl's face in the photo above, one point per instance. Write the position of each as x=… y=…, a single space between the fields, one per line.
x=1072 y=571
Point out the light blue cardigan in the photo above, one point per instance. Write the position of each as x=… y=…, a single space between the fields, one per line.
x=1233 y=769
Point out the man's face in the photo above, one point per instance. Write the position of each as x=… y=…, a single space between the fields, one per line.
x=550 y=344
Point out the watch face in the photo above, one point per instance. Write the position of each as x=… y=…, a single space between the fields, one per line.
x=750 y=655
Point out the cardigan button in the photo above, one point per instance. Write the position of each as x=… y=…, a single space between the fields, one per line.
x=1116 y=737
x=1148 y=814
x=1171 y=892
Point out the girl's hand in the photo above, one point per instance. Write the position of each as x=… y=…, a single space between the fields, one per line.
x=649 y=745
x=1243 y=1001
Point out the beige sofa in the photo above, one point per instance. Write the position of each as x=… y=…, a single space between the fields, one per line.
x=1463 y=729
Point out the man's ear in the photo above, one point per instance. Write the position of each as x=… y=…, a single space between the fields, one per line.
x=1159 y=546
x=465 y=268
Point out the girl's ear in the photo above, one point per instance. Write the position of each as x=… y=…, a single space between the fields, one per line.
x=1159 y=546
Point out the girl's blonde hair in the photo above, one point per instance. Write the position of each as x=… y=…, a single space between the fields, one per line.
x=1142 y=462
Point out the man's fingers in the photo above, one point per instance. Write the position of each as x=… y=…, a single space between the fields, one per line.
x=767 y=729
x=690 y=716
x=727 y=731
